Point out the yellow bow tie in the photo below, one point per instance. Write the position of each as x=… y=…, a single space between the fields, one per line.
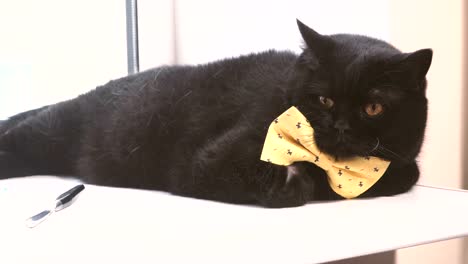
x=290 y=138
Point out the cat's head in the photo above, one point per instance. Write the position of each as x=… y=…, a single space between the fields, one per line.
x=362 y=95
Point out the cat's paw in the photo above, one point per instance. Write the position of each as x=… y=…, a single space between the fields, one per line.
x=295 y=190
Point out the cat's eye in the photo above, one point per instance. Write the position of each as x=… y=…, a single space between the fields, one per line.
x=374 y=109
x=326 y=102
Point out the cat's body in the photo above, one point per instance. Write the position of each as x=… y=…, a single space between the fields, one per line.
x=198 y=130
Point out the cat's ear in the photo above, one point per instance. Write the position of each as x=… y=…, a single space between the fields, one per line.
x=311 y=37
x=411 y=69
x=317 y=46
x=318 y=43
x=418 y=63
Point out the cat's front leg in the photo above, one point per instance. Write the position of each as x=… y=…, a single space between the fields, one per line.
x=229 y=169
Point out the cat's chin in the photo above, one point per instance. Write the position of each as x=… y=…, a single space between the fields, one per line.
x=339 y=151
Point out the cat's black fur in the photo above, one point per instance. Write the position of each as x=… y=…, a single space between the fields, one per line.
x=198 y=130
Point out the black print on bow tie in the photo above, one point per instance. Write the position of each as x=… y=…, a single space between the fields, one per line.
x=376 y=169
x=298 y=140
x=340 y=173
x=280 y=136
x=339 y=186
x=276 y=121
x=298 y=125
x=289 y=152
x=367 y=157
x=360 y=184
x=316 y=159
x=346 y=167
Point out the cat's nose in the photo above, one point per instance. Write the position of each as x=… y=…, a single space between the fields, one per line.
x=342 y=125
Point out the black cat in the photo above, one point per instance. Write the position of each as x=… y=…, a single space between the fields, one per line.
x=198 y=131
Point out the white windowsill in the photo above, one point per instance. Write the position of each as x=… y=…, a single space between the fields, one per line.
x=125 y=225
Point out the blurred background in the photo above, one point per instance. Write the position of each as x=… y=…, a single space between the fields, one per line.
x=54 y=50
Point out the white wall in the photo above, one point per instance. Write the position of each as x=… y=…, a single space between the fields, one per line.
x=156 y=33
x=57 y=50
x=211 y=29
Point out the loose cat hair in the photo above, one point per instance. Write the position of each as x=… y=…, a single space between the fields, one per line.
x=198 y=131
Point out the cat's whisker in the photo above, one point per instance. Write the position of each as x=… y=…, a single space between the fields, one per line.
x=376 y=146
x=391 y=152
x=387 y=152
